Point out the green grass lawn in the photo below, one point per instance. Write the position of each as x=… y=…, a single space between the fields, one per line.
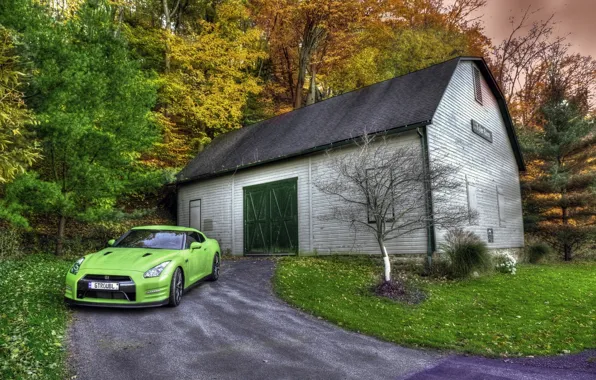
x=32 y=318
x=542 y=310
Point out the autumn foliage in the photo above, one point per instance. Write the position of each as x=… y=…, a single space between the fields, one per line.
x=158 y=80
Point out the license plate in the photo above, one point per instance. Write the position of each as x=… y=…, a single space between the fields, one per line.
x=104 y=285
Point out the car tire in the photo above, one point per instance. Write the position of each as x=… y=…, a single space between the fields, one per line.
x=215 y=268
x=176 y=288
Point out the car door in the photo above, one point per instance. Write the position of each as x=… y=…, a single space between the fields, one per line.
x=194 y=257
x=205 y=257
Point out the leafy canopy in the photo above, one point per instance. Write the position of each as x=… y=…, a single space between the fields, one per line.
x=93 y=105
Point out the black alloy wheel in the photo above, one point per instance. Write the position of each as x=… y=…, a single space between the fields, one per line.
x=176 y=288
x=215 y=269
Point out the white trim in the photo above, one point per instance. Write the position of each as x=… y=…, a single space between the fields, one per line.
x=310 y=231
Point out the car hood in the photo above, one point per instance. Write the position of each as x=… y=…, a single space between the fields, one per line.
x=135 y=259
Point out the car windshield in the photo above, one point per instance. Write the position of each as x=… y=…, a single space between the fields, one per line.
x=151 y=239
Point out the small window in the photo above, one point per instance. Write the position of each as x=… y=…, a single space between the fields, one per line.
x=472 y=203
x=200 y=237
x=501 y=206
x=477 y=85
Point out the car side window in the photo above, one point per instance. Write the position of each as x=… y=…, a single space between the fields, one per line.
x=190 y=238
x=200 y=238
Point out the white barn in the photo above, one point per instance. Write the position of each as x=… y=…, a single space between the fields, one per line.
x=252 y=189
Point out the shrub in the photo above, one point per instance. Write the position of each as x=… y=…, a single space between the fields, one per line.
x=466 y=252
x=536 y=252
x=440 y=268
x=505 y=263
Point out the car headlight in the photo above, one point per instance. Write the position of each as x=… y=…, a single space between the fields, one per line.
x=77 y=265
x=156 y=270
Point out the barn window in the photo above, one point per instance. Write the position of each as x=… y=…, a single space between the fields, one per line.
x=477 y=85
x=501 y=206
x=472 y=202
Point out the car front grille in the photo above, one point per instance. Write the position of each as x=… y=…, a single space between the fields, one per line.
x=106 y=277
x=126 y=284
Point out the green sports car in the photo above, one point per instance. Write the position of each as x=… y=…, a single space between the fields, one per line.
x=147 y=266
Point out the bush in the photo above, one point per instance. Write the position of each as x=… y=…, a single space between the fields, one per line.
x=466 y=252
x=536 y=252
x=505 y=263
x=10 y=243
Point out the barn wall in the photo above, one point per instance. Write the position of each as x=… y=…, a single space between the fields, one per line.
x=222 y=197
x=487 y=167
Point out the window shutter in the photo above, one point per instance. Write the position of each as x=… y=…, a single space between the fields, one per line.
x=477 y=85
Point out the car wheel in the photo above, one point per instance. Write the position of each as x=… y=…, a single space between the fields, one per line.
x=215 y=268
x=176 y=288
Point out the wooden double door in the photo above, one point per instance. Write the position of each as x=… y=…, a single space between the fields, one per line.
x=271 y=218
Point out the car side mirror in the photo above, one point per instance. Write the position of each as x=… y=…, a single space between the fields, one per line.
x=111 y=242
x=195 y=245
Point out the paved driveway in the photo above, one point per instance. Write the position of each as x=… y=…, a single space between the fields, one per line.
x=237 y=329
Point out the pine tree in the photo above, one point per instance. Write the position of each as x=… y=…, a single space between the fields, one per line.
x=560 y=184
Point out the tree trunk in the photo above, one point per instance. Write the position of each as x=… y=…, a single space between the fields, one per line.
x=387 y=264
x=60 y=237
x=303 y=62
x=311 y=98
x=566 y=246
x=168 y=28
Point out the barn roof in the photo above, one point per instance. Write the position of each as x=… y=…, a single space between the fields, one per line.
x=393 y=105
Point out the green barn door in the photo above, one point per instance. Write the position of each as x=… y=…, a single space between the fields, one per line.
x=271 y=218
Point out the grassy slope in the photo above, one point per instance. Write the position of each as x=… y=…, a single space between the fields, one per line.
x=546 y=309
x=32 y=318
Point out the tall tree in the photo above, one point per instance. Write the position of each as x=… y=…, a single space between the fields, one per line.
x=93 y=105
x=560 y=185
x=206 y=56
x=396 y=37
x=18 y=149
x=304 y=36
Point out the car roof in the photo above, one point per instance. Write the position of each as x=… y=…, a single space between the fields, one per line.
x=165 y=228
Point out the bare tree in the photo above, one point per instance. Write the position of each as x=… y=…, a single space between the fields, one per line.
x=387 y=189
x=522 y=52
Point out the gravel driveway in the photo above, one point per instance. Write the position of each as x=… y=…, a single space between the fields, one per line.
x=237 y=329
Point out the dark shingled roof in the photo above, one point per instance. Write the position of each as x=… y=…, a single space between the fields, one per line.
x=395 y=103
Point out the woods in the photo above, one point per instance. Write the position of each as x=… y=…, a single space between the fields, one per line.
x=103 y=100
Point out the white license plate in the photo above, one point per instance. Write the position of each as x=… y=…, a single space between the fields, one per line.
x=104 y=285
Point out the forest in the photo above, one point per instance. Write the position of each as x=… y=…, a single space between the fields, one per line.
x=102 y=102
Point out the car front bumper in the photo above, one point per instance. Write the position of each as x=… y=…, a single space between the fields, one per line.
x=134 y=289
x=130 y=305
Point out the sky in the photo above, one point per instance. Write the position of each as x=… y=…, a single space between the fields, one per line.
x=575 y=17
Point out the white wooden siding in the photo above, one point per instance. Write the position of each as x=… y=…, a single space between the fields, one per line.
x=486 y=165
x=222 y=202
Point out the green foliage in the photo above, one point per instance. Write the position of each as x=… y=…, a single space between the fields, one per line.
x=466 y=252
x=32 y=318
x=542 y=310
x=18 y=149
x=559 y=186
x=536 y=252
x=10 y=243
x=93 y=105
x=207 y=77
x=387 y=54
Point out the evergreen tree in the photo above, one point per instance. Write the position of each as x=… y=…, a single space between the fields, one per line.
x=93 y=104
x=560 y=185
